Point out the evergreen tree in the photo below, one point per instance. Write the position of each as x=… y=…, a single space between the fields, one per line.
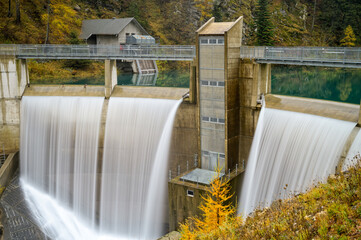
x=217 y=11
x=264 y=26
x=349 y=39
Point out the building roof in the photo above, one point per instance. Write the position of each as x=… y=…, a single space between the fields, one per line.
x=216 y=28
x=106 y=26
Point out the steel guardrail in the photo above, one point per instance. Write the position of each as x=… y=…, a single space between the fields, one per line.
x=317 y=56
x=56 y=51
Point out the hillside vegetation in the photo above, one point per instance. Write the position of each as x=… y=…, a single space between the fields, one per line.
x=331 y=210
x=296 y=22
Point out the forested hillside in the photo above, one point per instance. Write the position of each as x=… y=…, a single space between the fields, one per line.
x=296 y=22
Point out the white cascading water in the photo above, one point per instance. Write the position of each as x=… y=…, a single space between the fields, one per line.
x=134 y=179
x=290 y=152
x=59 y=146
x=58 y=151
x=353 y=153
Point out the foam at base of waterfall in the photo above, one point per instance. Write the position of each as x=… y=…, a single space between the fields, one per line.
x=354 y=153
x=58 y=222
x=290 y=152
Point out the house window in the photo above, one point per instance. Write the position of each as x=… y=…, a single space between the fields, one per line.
x=212 y=41
x=190 y=193
x=127 y=34
x=204 y=83
x=204 y=41
x=133 y=34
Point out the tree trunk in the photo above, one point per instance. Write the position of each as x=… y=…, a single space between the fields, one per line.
x=314 y=15
x=18 y=19
x=9 y=12
x=48 y=24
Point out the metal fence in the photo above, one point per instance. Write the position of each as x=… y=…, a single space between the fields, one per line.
x=149 y=52
x=303 y=54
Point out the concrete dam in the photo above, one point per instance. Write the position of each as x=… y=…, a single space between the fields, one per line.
x=123 y=162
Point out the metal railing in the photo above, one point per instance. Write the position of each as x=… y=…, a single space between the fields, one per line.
x=3 y=156
x=131 y=52
x=303 y=55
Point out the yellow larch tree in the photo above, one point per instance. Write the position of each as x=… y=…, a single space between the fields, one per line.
x=216 y=209
x=350 y=37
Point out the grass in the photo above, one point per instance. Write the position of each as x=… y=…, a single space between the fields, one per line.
x=331 y=210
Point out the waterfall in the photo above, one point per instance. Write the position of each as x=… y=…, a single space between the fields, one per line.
x=290 y=152
x=60 y=168
x=58 y=152
x=134 y=179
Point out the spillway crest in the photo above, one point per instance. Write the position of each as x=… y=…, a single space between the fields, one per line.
x=290 y=152
x=73 y=195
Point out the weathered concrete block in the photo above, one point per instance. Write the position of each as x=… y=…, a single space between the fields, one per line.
x=186 y=116
x=232 y=152
x=211 y=104
x=245 y=143
x=11 y=115
x=212 y=140
x=246 y=69
x=110 y=76
x=10 y=137
x=232 y=89
x=233 y=121
x=247 y=125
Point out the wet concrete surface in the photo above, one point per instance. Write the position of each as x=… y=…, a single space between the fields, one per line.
x=17 y=219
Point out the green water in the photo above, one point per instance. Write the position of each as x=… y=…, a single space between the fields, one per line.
x=336 y=84
x=174 y=78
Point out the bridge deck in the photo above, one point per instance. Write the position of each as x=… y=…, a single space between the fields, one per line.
x=126 y=52
x=308 y=56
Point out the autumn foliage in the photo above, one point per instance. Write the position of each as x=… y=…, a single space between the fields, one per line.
x=216 y=208
x=350 y=37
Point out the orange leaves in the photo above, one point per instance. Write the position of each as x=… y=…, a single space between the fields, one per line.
x=216 y=210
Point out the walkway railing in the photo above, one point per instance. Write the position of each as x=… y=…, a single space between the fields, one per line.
x=131 y=52
x=316 y=56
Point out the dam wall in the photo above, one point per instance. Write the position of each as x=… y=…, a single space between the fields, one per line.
x=184 y=143
x=14 y=77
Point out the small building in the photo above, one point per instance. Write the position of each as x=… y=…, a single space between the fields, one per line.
x=120 y=31
x=110 y=31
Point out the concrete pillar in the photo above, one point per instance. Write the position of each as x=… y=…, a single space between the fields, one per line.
x=110 y=76
x=192 y=83
x=14 y=76
x=265 y=78
x=255 y=79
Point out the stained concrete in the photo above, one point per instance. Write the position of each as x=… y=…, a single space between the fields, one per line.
x=323 y=108
x=149 y=92
x=64 y=90
x=13 y=79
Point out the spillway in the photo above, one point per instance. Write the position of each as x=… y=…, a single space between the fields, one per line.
x=290 y=152
x=74 y=196
x=135 y=153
